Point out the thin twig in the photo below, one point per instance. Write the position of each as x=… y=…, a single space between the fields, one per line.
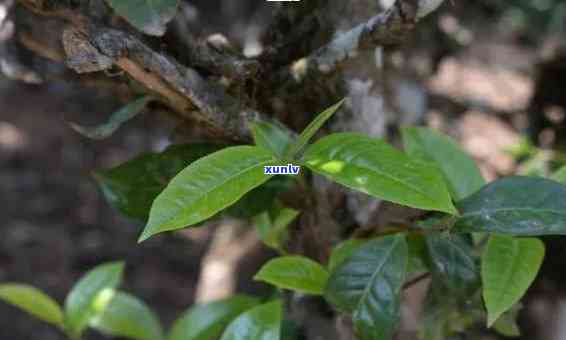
x=416 y=280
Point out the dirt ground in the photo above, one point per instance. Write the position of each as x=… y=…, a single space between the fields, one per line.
x=54 y=223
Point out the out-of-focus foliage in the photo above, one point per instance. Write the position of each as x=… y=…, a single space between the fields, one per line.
x=534 y=17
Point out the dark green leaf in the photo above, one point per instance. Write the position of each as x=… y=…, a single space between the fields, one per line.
x=296 y=273
x=343 y=251
x=372 y=166
x=80 y=304
x=446 y=315
x=126 y=316
x=131 y=187
x=259 y=323
x=311 y=130
x=509 y=266
x=149 y=16
x=208 y=321
x=272 y=137
x=417 y=254
x=515 y=205
x=368 y=284
x=452 y=260
x=290 y=330
x=116 y=120
x=32 y=301
x=261 y=198
x=460 y=171
x=206 y=187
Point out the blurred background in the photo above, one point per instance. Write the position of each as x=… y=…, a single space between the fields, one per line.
x=492 y=74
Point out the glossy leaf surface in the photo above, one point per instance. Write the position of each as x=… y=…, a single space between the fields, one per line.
x=374 y=167
x=343 y=251
x=80 y=304
x=460 y=171
x=452 y=259
x=368 y=284
x=509 y=266
x=32 y=301
x=206 y=187
x=272 y=137
x=519 y=206
x=259 y=323
x=116 y=120
x=149 y=16
x=296 y=273
x=208 y=321
x=127 y=316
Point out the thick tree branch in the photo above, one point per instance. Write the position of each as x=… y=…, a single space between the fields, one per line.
x=389 y=28
x=92 y=48
x=214 y=54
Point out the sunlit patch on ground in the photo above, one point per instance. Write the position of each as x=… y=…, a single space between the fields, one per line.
x=11 y=137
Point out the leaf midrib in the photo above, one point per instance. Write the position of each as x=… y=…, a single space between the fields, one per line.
x=216 y=187
x=378 y=270
x=379 y=172
x=511 y=209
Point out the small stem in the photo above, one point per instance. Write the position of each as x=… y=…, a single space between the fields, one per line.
x=416 y=280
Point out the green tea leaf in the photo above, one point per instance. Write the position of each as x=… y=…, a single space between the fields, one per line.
x=453 y=261
x=127 y=316
x=273 y=229
x=272 y=137
x=278 y=233
x=343 y=251
x=259 y=323
x=32 y=301
x=447 y=316
x=290 y=330
x=296 y=273
x=81 y=304
x=417 y=254
x=311 y=130
x=208 y=321
x=263 y=224
x=560 y=175
x=149 y=16
x=133 y=186
x=507 y=323
x=368 y=284
x=460 y=171
x=372 y=166
x=116 y=120
x=509 y=266
x=260 y=199
x=207 y=186
x=521 y=206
